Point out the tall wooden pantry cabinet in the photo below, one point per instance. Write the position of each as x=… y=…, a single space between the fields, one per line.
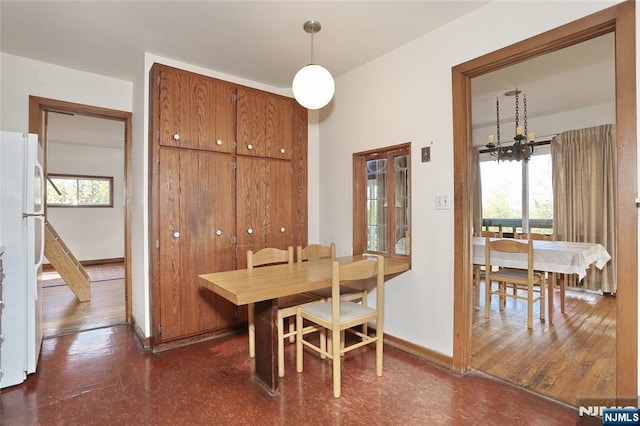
x=228 y=173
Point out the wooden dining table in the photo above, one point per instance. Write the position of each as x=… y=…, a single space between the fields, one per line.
x=548 y=256
x=263 y=286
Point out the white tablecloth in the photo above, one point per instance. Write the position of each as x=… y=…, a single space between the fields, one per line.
x=551 y=256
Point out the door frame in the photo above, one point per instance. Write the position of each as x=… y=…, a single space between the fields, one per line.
x=621 y=20
x=37 y=108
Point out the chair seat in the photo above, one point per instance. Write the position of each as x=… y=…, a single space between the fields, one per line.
x=325 y=293
x=349 y=311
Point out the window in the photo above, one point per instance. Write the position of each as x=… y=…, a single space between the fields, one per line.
x=382 y=204
x=515 y=191
x=79 y=191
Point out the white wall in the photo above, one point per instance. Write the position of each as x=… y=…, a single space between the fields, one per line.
x=21 y=77
x=90 y=232
x=406 y=96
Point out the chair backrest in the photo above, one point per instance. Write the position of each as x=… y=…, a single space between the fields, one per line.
x=360 y=270
x=488 y=234
x=509 y=246
x=269 y=256
x=316 y=252
x=534 y=236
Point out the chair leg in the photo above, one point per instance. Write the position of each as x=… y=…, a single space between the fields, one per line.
x=280 y=327
x=252 y=331
x=476 y=288
x=299 y=337
x=503 y=291
x=323 y=341
x=379 y=349
x=487 y=298
x=335 y=337
x=292 y=330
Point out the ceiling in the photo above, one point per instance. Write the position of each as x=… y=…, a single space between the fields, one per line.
x=263 y=41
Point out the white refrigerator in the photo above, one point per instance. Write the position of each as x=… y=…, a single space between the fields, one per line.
x=22 y=235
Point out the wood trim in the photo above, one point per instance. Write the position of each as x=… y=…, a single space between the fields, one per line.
x=37 y=110
x=621 y=19
x=419 y=351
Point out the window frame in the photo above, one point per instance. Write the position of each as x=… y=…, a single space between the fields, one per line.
x=51 y=176
x=360 y=230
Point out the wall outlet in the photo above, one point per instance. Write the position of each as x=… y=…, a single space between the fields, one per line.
x=443 y=202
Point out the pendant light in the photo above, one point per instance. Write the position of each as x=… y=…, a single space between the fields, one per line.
x=313 y=85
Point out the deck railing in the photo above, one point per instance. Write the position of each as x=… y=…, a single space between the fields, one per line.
x=509 y=226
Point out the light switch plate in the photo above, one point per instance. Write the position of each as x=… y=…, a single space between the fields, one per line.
x=443 y=202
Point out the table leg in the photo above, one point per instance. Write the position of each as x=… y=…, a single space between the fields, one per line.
x=266 y=344
x=550 y=288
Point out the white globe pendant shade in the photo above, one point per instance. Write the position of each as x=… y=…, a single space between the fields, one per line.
x=313 y=86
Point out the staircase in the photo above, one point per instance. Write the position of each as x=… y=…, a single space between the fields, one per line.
x=61 y=258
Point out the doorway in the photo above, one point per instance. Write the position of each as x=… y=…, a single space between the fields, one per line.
x=619 y=19
x=39 y=109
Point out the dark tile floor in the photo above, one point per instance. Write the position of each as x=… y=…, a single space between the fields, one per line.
x=105 y=377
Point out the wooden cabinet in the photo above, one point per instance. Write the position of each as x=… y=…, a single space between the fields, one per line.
x=265 y=125
x=264 y=205
x=195 y=112
x=222 y=166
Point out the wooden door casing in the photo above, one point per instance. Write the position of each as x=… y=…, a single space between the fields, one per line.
x=194 y=182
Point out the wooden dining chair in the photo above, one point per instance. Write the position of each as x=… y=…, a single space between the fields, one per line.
x=518 y=279
x=317 y=252
x=478 y=269
x=338 y=315
x=286 y=305
x=550 y=277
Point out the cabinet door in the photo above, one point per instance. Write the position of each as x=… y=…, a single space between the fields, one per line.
x=250 y=178
x=193 y=187
x=278 y=204
x=196 y=112
x=253 y=109
x=279 y=128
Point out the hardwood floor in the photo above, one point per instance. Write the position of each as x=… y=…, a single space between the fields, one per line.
x=62 y=313
x=570 y=361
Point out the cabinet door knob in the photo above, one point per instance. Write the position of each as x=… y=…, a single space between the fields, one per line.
x=176 y=234
x=249 y=147
x=218 y=232
x=176 y=137
x=282 y=150
x=219 y=142
x=282 y=229
x=249 y=231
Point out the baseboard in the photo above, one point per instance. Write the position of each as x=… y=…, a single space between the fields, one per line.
x=419 y=351
x=146 y=341
x=48 y=267
x=185 y=341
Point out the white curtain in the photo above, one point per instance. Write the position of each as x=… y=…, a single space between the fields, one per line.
x=583 y=163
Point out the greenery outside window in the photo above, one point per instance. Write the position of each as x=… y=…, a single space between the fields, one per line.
x=79 y=191
x=382 y=204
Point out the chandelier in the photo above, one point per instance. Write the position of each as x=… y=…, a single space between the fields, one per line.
x=522 y=147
